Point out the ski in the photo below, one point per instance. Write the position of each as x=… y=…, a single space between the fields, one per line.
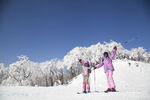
x=80 y=93
x=110 y=91
x=88 y=92
x=96 y=92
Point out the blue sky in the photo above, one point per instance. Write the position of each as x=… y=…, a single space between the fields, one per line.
x=47 y=29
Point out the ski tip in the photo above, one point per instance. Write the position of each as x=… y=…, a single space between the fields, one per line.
x=88 y=92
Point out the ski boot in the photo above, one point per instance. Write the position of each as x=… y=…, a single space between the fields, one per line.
x=84 y=92
x=89 y=91
x=113 y=90
x=108 y=90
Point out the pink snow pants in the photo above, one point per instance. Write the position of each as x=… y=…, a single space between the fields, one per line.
x=86 y=83
x=110 y=81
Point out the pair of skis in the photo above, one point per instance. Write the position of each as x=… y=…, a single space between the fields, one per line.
x=95 y=92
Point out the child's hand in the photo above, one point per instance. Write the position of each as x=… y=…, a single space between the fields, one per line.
x=89 y=70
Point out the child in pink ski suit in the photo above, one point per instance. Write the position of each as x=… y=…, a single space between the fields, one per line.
x=86 y=70
x=108 y=68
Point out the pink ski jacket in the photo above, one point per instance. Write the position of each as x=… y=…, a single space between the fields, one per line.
x=107 y=62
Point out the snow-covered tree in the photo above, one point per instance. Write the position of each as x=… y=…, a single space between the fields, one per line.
x=55 y=72
x=19 y=72
x=3 y=72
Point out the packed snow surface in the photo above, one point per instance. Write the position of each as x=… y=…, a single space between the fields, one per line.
x=131 y=78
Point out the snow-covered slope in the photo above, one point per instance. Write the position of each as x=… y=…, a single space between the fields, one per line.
x=127 y=78
x=131 y=78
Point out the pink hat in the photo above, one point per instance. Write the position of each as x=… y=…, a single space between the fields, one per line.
x=86 y=62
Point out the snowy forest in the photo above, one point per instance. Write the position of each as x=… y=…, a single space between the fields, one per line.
x=59 y=72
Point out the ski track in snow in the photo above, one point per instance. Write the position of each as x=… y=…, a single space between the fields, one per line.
x=132 y=83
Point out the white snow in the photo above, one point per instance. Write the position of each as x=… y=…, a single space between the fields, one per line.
x=132 y=83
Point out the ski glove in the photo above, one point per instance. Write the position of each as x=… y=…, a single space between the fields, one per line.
x=95 y=67
x=115 y=48
x=80 y=60
x=89 y=70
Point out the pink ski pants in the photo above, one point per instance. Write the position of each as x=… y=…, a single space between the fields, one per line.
x=110 y=81
x=86 y=83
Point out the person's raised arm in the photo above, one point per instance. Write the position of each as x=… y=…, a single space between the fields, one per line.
x=114 y=53
x=81 y=62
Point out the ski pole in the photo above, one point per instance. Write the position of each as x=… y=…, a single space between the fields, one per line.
x=128 y=41
x=94 y=80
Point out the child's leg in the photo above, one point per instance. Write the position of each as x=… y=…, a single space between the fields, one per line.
x=112 y=83
x=88 y=84
x=84 y=83
x=108 y=80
